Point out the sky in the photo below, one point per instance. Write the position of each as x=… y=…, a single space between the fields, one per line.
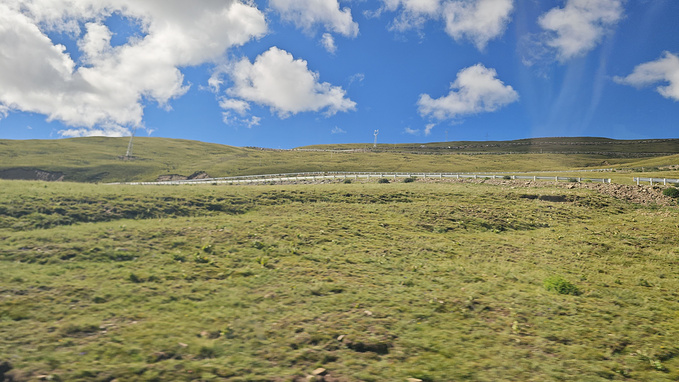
x=290 y=73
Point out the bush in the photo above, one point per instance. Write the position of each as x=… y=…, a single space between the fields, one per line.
x=561 y=286
x=409 y=180
x=507 y=177
x=383 y=180
x=671 y=192
x=347 y=181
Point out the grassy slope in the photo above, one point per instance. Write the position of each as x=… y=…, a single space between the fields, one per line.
x=96 y=159
x=432 y=281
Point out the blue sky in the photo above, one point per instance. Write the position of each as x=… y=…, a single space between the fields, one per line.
x=288 y=73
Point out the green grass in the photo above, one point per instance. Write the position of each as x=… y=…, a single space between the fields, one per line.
x=374 y=282
x=96 y=159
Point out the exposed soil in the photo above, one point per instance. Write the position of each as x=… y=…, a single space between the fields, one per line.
x=642 y=194
x=31 y=174
x=195 y=175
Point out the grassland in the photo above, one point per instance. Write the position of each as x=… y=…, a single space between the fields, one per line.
x=372 y=282
x=96 y=159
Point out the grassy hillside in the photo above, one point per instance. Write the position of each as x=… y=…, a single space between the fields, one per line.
x=97 y=159
x=575 y=145
x=370 y=282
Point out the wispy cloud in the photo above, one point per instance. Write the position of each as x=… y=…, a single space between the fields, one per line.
x=411 y=131
x=337 y=130
x=328 y=43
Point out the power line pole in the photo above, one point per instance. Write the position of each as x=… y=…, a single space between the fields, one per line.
x=129 y=145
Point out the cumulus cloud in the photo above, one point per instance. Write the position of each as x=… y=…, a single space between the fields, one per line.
x=411 y=131
x=478 y=21
x=580 y=25
x=285 y=84
x=476 y=89
x=664 y=70
x=105 y=91
x=305 y=14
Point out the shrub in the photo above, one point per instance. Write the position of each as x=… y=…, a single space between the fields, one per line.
x=347 y=181
x=135 y=279
x=559 y=285
x=671 y=192
x=409 y=180
x=507 y=177
x=383 y=180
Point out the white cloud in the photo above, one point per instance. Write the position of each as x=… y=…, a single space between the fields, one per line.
x=476 y=89
x=478 y=21
x=305 y=14
x=580 y=25
x=428 y=128
x=104 y=92
x=414 y=13
x=108 y=131
x=337 y=130
x=285 y=84
x=239 y=106
x=230 y=119
x=664 y=69
x=358 y=77
x=328 y=43
x=411 y=131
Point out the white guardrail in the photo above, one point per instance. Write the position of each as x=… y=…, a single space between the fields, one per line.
x=315 y=176
x=663 y=181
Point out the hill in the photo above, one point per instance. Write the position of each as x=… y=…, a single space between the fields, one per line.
x=100 y=159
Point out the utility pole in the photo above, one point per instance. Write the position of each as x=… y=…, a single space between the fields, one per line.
x=375 y=144
x=129 y=145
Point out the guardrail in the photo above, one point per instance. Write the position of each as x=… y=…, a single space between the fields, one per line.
x=664 y=181
x=315 y=176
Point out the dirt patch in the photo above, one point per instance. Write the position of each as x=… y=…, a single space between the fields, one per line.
x=641 y=194
x=171 y=177
x=31 y=174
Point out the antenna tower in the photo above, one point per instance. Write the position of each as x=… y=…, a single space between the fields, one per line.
x=375 y=144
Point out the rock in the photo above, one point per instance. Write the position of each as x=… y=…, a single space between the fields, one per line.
x=319 y=371
x=414 y=380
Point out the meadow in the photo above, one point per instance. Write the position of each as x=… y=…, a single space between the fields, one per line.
x=335 y=282
x=97 y=159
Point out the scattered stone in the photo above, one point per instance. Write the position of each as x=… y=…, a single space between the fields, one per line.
x=319 y=371
x=414 y=380
x=341 y=337
x=368 y=313
x=183 y=344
